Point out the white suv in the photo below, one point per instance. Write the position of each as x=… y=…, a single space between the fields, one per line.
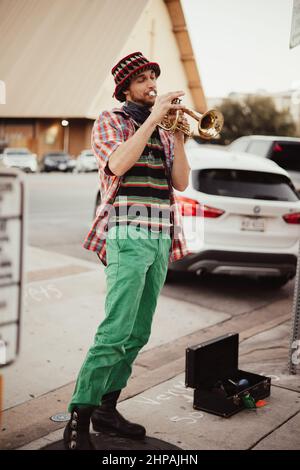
x=241 y=215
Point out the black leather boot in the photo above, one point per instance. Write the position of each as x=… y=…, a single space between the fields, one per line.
x=106 y=418
x=77 y=431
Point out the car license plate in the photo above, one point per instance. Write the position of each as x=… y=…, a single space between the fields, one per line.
x=255 y=224
x=62 y=166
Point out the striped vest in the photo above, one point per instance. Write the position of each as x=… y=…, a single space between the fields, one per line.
x=143 y=198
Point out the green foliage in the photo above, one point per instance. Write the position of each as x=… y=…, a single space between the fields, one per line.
x=254 y=115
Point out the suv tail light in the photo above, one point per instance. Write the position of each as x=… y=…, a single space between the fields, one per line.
x=191 y=207
x=212 y=212
x=277 y=148
x=292 y=218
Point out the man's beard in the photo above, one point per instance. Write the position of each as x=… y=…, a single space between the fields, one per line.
x=142 y=102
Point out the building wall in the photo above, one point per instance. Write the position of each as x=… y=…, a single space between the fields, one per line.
x=49 y=134
x=76 y=136
x=53 y=136
x=18 y=132
x=153 y=36
x=55 y=53
x=46 y=135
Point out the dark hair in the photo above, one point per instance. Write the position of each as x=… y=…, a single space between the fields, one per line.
x=120 y=95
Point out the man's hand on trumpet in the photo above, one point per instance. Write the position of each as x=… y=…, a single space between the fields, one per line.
x=182 y=122
x=164 y=104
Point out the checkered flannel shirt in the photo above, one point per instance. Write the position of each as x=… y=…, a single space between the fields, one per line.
x=110 y=130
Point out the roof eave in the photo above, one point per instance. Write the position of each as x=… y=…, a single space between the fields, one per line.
x=186 y=53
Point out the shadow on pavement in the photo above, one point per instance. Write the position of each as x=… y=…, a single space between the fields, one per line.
x=113 y=442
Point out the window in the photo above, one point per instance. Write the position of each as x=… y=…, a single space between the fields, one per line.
x=244 y=183
x=286 y=155
x=17 y=152
x=56 y=155
x=259 y=147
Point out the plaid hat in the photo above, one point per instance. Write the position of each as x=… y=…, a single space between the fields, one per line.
x=128 y=67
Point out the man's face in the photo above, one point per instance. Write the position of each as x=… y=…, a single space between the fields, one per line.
x=139 y=88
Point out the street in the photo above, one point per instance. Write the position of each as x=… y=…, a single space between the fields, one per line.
x=60 y=213
x=64 y=303
x=60 y=210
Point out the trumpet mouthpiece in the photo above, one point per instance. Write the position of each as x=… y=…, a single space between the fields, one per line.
x=152 y=93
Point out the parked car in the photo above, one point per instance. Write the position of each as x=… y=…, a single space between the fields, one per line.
x=285 y=151
x=241 y=216
x=20 y=158
x=58 y=161
x=86 y=161
x=250 y=213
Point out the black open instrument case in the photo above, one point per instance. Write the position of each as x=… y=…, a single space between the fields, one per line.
x=220 y=386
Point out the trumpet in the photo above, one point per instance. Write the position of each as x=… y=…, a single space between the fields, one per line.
x=210 y=123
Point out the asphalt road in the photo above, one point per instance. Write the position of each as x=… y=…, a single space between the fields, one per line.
x=60 y=213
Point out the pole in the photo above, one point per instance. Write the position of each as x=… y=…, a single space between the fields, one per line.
x=294 y=352
x=66 y=139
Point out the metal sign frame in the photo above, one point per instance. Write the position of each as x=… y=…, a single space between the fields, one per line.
x=20 y=283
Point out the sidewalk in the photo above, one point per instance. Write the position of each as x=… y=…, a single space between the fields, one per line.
x=69 y=294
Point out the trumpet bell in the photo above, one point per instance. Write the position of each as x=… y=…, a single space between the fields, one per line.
x=210 y=124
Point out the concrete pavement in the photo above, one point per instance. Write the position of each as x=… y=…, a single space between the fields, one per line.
x=63 y=305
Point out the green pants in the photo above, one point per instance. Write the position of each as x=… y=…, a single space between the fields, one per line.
x=137 y=262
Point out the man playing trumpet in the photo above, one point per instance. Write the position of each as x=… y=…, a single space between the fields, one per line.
x=140 y=164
